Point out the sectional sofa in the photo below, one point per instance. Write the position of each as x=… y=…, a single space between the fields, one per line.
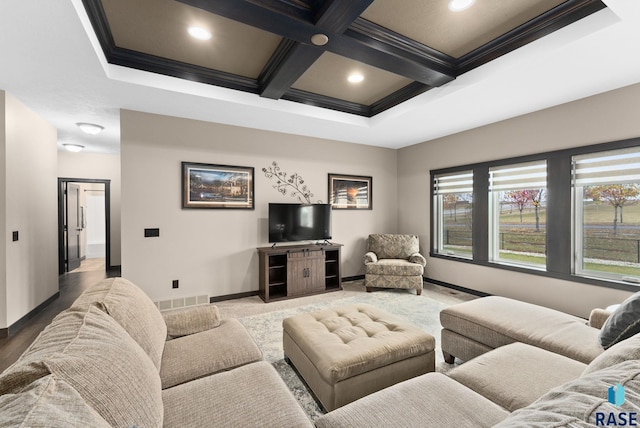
x=527 y=366
x=113 y=359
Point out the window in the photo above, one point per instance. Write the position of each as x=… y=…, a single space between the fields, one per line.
x=453 y=197
x=606 y=189
x=517 y=217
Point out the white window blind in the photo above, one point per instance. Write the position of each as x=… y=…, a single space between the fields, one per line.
x=530 y=175
x=458 y=182
x=612 y=167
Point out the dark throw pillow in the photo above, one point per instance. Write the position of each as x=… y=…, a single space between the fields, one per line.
x=623 y=323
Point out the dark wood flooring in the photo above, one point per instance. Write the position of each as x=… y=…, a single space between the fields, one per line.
x=71 y=285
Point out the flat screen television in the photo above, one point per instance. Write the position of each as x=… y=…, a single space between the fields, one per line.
x=299 y=222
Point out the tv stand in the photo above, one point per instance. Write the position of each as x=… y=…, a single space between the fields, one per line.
x=298 y=270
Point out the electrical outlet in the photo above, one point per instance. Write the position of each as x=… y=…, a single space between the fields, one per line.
x=175 y=283
x=15 y=235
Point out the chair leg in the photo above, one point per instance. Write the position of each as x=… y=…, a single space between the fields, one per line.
x=418 y=292
x=368 y=289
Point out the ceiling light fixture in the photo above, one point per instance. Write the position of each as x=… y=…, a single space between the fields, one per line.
x=460 y=5
x=319 y=39
x=355 y=78
x=199 y=33
x=73 y=147
x=90 y=128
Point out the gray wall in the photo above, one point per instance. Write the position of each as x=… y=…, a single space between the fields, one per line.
x=28 y=161
x=214 y=251
x=606 y=117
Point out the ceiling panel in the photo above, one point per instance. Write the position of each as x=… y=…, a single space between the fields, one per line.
x=402 y=47
x=431 y=23
x=159 y=27
x=328 y=76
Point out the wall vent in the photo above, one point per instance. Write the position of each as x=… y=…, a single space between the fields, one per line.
x=181 y=302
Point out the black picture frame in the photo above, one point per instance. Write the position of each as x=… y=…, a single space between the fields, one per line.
x=350 y=192
x=217 y=186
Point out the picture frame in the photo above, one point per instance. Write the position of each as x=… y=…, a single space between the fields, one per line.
x=217 y=186
x=350 y=192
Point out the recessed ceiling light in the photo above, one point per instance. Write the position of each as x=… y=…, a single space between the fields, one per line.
x=199 y=33
x=459 y=5
x=319 y=39
x=355 y=78
x=90 y=128
x=73 y=147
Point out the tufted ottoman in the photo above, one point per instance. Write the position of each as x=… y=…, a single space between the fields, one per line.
x=347 y=352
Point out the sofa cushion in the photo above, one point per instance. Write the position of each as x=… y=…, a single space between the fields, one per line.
x=623 y=323
x=628 y=349
x=54 y=338
x=430 y=400
x=514 y=376
x=133 y=310
x=578 y=403
x=390 y=246
x=398 y=267
x=110 y=372
x=211 y=351
x=497 y=321
x=191 y=320
x=46 y=403
x=250 y=396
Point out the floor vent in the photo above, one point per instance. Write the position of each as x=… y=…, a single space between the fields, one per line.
x=182 y=302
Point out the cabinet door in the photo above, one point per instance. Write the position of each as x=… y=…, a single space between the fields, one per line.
x=305 y=272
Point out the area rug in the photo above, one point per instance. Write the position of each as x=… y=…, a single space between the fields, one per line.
x=266 y=329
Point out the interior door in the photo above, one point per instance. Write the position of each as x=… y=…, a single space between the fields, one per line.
x=73 y=226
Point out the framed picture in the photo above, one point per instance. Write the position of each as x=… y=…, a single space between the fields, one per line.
x=217 y=186
x=350 y=192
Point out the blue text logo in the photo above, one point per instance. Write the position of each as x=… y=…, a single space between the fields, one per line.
x=615 y=396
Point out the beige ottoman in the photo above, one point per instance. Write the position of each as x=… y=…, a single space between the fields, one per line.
x=347 y=352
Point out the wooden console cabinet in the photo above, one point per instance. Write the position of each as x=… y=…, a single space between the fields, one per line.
x=298 y=270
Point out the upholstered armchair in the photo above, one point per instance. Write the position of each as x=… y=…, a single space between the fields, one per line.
x=394 y=261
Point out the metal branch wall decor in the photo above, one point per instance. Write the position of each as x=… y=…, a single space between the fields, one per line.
x=289 y=184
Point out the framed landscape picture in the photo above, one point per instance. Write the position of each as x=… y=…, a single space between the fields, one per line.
x=350 y=192
x=217 y=186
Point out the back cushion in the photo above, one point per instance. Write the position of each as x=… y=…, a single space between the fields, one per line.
x=583 y=401
x=628 y=349
x=54 y=338
x=48 y=402
x=133 y=310
x=389 y=246
x=110 y=372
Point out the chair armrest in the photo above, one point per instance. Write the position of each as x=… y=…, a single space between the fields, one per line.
x=370 y=257
x=190 y=320
x=418 y=258
x=597 y=317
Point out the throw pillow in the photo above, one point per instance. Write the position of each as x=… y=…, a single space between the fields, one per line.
x=186 y=321
x=623 y=323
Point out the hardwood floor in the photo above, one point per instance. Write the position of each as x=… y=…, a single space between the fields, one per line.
x=71 y=285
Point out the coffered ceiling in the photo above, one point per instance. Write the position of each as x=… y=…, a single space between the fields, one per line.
x=401 y=48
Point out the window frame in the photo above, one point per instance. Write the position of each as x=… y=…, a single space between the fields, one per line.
x=437 y=233
x=560 y=214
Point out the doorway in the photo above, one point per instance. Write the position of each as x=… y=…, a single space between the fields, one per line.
x=84 y=239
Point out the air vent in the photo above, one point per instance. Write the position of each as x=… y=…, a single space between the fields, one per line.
x=181 y=302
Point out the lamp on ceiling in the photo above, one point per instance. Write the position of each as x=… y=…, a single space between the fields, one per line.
x=90 y=128
x=460 y=5
x=73 y=147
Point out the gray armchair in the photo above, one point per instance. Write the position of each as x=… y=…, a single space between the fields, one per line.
x=394 y=261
